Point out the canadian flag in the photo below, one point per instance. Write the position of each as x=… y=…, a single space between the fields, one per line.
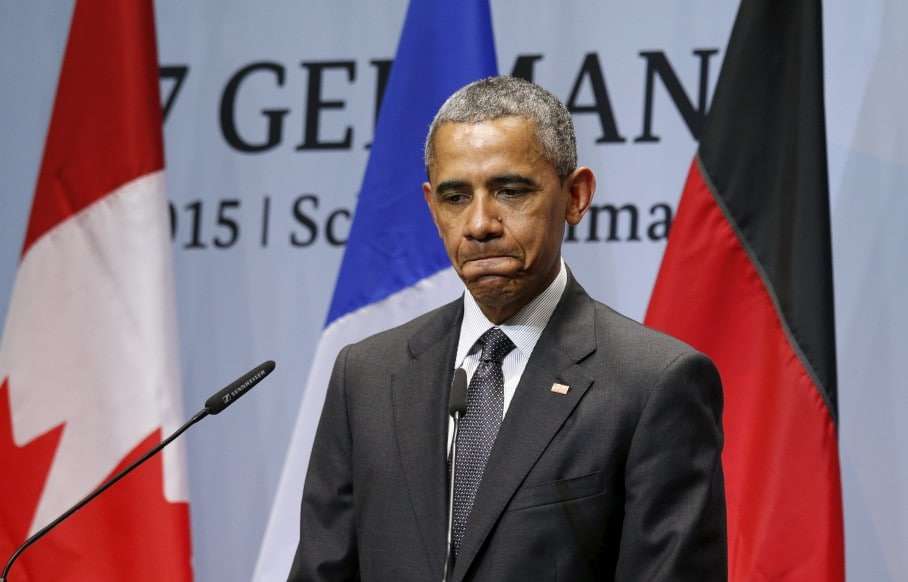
x=88 y=358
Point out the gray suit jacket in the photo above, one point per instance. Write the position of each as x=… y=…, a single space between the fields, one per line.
x=619 y=479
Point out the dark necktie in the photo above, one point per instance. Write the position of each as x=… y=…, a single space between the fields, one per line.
x=479 y=427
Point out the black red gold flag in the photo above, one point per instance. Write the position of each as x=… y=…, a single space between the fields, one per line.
x=747 y=279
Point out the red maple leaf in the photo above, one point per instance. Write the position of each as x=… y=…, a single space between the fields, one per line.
x=24 y=472
x=130 y=532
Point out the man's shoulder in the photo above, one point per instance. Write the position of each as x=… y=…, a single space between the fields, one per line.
x=396 y=341
x=635 y=345
x=615 y=332
x=617 y=325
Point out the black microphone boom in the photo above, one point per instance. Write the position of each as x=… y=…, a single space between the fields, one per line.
x=215 y=404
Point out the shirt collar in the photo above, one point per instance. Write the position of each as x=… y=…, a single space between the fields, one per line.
x=524 y=328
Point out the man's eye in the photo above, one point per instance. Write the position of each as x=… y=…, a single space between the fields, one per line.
x=512 y=192
x=454 y=197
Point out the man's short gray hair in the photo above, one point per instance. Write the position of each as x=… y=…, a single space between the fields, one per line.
x=495 y=97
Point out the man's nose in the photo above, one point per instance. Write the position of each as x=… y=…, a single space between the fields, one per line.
x=483 y=218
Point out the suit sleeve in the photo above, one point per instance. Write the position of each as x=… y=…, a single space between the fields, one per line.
x=674 y=522
x=327 y=547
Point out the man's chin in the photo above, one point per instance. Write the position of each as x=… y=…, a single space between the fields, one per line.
x=494 y=290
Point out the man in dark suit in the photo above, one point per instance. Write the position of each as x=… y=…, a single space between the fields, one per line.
x=590 y=447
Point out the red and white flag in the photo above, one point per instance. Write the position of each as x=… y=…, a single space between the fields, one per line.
x=88 y=358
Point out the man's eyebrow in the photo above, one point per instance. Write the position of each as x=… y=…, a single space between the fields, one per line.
x=512 y=179
x=450 y=185
x=494 y=182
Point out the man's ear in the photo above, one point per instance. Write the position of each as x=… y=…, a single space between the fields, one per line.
x=430 y=202
x=581 y=185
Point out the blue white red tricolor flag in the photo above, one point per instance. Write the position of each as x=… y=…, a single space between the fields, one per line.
x=394 y=267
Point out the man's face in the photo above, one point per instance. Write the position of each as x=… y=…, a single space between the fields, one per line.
x=500 y=209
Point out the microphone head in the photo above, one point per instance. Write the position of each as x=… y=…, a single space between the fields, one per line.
x=457 y=400
x=230 y=393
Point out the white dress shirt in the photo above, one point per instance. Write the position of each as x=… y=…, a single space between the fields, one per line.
x=523 y=329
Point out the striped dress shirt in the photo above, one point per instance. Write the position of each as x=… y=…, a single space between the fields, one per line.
x=523 y=329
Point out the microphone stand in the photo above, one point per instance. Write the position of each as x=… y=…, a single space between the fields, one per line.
x=448 y=565
x=457 y=407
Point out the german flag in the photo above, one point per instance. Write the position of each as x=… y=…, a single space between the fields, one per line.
x=747 y=279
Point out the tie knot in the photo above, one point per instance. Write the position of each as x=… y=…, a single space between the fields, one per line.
x=495 y=346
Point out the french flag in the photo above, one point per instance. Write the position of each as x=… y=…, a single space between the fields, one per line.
x=395 y=267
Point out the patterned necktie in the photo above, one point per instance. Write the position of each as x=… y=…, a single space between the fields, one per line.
x=478 y=427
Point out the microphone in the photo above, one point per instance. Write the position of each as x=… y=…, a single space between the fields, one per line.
x=457 y=406
x=215 y=404
x=230 y=393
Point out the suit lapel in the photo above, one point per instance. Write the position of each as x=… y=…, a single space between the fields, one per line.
x=420 y=398
x=534 y=415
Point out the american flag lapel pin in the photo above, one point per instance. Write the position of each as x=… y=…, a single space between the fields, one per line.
x=560 y=388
